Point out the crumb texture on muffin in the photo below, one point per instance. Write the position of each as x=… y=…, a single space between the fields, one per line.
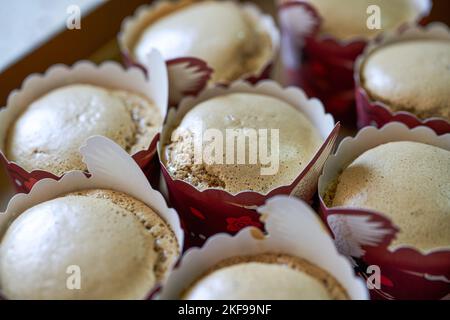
x=348 y=19
x=411 y=76
x=409 y=182
x=266 y=277
x=120 y=247
x=50 y=131
x=298 y=142
x=220 y=33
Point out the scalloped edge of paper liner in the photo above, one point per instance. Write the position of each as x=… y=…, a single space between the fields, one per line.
x=351 y=148
x=123 y=175
x=109 y=75
x=284 y=218
x=376 y=112
x=139 y=19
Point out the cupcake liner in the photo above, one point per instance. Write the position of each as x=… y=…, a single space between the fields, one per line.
x=320 y=63
x=365 y=235
x=373 y=112
x=205 y=213
x=111 y=168
x=108 y=74
x=293 y=228
x=189 y=75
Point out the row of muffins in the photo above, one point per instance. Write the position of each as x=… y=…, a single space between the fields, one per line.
x=239 y=102
x=253 y=41
x=93 y=213
x=124 y=244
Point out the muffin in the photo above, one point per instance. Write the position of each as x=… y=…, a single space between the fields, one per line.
x=409 y=182
x=348 y=19
x=298 y=141
x=219 y=32
x=49 y=132
x=265 y=277
x=121 y=247
x=410 y=76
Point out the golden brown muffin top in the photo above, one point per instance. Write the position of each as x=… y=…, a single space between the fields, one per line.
x=409 y=182
x=298 y=142
x=50 y=131
x=346 y=19
x=411 y=76
x=218 y=32
x=266 y=276
x=121 y=247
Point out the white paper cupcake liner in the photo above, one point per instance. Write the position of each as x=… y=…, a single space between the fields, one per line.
x=292 y=228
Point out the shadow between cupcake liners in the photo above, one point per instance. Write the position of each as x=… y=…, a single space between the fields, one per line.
x=205 y=213
x=324 y=65
x=365 y=236
x=373 y=112
x=188 y=76
x=123 y=175
x=110 y=75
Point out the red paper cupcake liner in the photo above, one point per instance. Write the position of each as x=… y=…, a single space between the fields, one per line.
x=377 y=113
x=205 y=213
x=110 y=75
x=364 y=235
x=189 y=75
x=325 y=67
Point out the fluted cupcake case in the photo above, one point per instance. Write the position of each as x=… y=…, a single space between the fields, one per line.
x=111 y=168
x=205 y=213
x=372 y=112
x=189 y=75
x=406 y=273
x=293 y=228
x=319 y=63
x=109 y=75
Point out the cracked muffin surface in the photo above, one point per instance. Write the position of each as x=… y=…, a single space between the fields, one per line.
x=47 y=135
x=290 y=137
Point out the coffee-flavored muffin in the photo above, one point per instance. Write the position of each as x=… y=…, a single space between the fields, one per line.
x=92 y=244
x=49 y=132
x=267 y=276
x=409 y=182
x=219 y=32
x=410 y=76
x=298 y=141
x=348 y=19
